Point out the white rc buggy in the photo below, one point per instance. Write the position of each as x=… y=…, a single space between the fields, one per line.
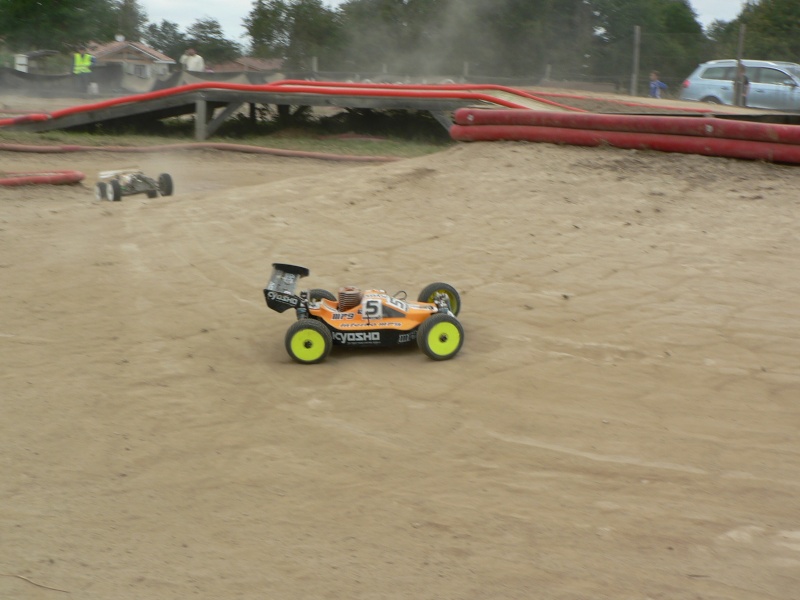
x=113 y=185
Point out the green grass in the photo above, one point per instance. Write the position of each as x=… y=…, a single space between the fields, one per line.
x=356 y=134
x=294 y=141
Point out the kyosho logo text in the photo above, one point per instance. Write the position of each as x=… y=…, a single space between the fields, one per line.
x=356 y=337
x=283 y=298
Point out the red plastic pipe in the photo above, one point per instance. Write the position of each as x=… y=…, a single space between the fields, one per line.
x=730 y=148
x=673 y=125
x=41 y=177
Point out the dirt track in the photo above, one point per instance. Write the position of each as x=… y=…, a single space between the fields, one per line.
x=621 y=423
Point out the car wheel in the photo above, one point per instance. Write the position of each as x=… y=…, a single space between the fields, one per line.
x=114 y=191
x=100 y=190
x=152 y=193
x=429 y=292
x=308 y=341
x=440 y=336
x=711 y=100
x=165 y=184
x=320 y=294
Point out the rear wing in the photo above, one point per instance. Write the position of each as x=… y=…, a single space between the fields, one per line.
x=279 y=292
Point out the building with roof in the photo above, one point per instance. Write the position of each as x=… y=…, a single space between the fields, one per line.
x=136 y=58
x=30 y=62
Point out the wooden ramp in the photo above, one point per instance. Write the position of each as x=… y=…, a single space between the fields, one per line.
x=213 y=103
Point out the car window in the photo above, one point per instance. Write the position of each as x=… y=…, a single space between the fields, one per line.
x=717 y=73
x=774 y=76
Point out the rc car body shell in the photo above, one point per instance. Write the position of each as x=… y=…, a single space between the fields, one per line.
x=379 y=320
x=370 y=318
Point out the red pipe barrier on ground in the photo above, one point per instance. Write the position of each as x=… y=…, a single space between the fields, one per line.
x=730 y=148
x=41 y=177
x=696 y=126
x=194 y=146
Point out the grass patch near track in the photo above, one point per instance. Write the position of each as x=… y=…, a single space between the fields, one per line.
x=355 y=133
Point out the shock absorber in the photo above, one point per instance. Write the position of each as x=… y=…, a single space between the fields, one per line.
x=302 y=308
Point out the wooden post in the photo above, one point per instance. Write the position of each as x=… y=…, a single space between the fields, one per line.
x=200 y=119
x=637 y=40
x=738 y=82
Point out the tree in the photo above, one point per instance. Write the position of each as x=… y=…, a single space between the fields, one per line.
x=131 y=19
x=167 y=38
x=517 y=38
x=295 y=30
x=54 y=24
x=672 y=39
x=313 y=33
x=528 y=35
x=773 y=30
x=205 y=35
x=680 y=45
x=269 y=28
x=396 y=33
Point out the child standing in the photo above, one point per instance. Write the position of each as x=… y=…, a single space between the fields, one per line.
x=656 y=85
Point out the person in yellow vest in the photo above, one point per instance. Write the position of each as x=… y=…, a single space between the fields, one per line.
x=82 y=67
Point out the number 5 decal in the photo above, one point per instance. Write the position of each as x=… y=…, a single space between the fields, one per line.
x=372 y=309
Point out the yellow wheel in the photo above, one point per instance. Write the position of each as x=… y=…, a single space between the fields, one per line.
x=440 y=337
x=308 y=341
x=429 y=292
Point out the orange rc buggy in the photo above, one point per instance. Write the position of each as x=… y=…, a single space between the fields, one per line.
x=364 y=318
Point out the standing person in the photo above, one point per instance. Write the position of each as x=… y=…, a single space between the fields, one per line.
x=656 y=85
x=192 y=61
x=741 y=85
x=82 y=63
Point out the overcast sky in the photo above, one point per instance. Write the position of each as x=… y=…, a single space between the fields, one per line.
x=230 y=13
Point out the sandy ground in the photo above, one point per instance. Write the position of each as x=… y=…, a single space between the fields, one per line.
x=621 y=422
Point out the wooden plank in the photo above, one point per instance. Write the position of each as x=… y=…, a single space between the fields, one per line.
x=444 y=118
x=214 y=124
